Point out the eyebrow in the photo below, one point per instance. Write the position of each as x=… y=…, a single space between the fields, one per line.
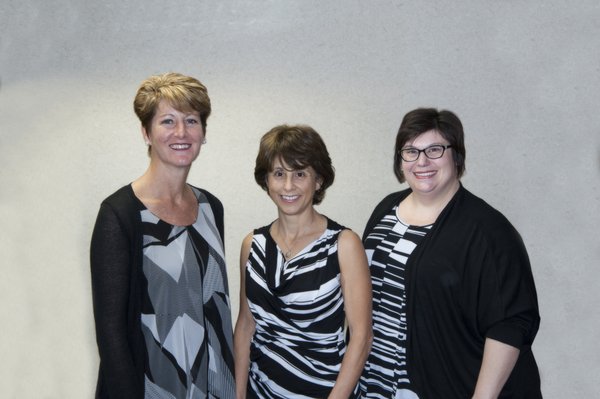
x=429 y=145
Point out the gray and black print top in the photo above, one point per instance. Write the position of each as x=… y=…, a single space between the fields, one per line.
x=185 y=308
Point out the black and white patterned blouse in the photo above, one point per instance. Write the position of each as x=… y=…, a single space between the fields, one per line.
x=297 y=304
x=388 y=247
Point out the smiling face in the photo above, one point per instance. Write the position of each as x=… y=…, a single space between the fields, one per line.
x=292 y=190
x=430 y=177
x=175 y=137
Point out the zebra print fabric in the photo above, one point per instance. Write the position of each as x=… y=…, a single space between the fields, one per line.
x=388 y=247
x=298 y=344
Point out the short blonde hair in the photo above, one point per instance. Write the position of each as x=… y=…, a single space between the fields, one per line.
x=182 y=92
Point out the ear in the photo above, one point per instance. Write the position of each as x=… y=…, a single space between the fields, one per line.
x=145 y=136
x=319 y=183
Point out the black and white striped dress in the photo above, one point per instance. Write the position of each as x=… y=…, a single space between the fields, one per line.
x=298 y=344
x=388 y=248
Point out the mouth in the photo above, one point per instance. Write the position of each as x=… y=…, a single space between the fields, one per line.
x=180 y=147
x=290 y=198
x=424 y=175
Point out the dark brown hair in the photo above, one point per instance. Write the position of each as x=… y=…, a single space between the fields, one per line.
x=299 y=146
x=421 y=120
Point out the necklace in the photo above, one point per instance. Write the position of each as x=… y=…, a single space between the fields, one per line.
x=289 y=248
x=307 y=232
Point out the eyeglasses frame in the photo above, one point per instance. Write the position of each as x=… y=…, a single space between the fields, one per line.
x=444 y=148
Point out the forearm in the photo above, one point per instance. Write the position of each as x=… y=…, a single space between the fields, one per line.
x=352 y=364
x=241 y=349
x=499 y=359
x=356 y=289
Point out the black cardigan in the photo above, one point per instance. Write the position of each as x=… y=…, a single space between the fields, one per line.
x=116 y=269
x=469 y=279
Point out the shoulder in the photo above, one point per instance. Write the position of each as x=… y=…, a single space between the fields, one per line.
x=258 y=234
x=344 y=233
x=247 y=243
x=351 y=253
x=389 y=201
x=122 y=198
x=482 y=217
x=348 y=239
x=334 y=226
x=118 y=218
x=215 y=205
x=262 y=231
x=393 y=198
x=383 y=207
x=480 y=211
x=122 y=204
x=211 y=198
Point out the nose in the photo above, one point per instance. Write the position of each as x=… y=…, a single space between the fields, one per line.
x=180 y=129
x=288 y=183
x=422 y=159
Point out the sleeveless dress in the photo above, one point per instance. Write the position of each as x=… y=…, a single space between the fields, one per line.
x=297 y=304
x=186 y=318
x=388 y=247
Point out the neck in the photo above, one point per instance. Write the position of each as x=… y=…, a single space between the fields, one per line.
x=292 y=233
x=422 y=209
x=439 y=200
x=296 y=225
x=163 y=184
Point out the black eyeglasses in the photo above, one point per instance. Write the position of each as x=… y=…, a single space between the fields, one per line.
x=435 y=151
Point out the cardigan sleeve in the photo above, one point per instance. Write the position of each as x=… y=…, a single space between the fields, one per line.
x=510 y=314
x=110 y=261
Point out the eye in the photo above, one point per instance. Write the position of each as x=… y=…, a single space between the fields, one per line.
x=277 y=173
x=167 y=121
x=410 y=151
x=300 y=174
x=192 y=121
x=434 y=150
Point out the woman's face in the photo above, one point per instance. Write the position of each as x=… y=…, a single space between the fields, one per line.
x=292 y=190
x=431 y=177
x=176 y=137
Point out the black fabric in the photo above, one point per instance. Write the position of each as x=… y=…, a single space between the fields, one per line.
x=116 y=271
x=468 y=280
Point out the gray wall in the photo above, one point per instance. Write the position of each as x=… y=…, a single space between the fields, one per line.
x=524 y=76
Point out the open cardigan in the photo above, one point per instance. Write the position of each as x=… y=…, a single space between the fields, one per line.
x=468 y=280
x=116 y=268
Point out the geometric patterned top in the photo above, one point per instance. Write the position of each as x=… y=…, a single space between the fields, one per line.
x=186 y=316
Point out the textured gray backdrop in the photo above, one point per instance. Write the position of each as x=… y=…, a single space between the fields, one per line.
x=524 y=76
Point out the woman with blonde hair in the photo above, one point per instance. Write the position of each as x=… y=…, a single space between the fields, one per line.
x=159 y=283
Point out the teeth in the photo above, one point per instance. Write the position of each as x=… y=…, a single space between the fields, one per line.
x=180 y=146
x=424 y=174
x=289 y=197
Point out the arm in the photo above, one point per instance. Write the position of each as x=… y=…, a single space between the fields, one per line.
x=508 y=311
x=498 y=361
x=244 y=327
x=110 y=272
x=356 y=288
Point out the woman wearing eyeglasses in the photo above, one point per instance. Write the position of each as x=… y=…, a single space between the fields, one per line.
x=302 y=277
x=454 y=302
